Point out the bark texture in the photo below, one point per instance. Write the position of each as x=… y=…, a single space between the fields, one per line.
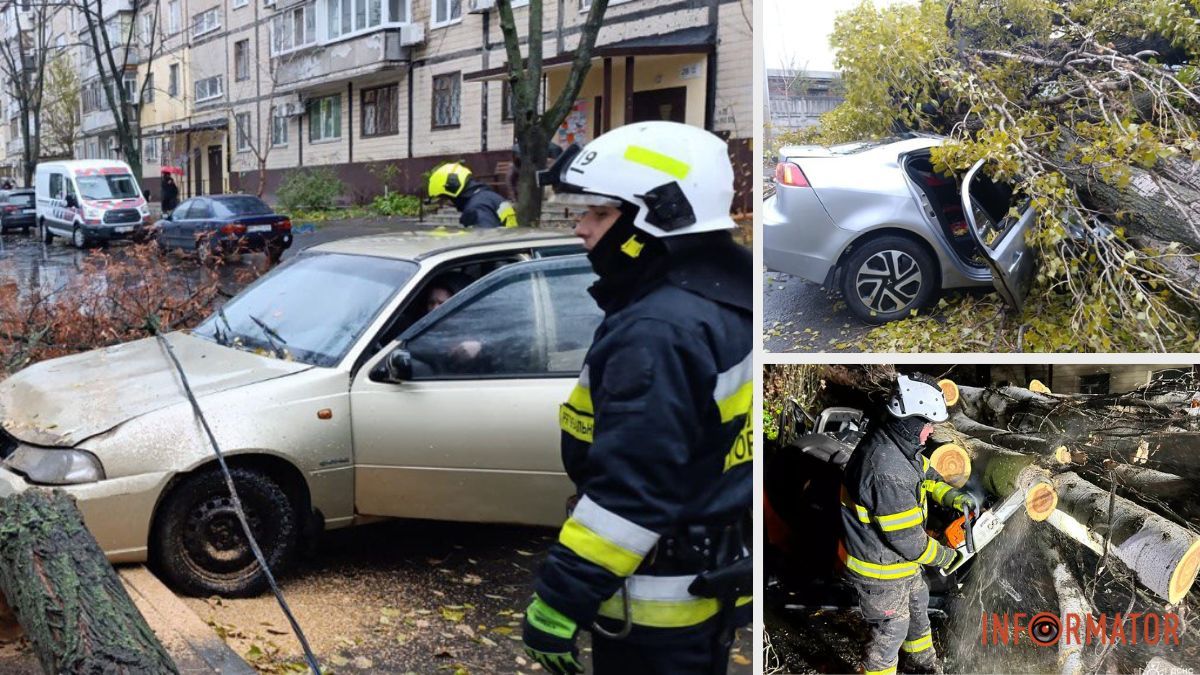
x=65 y=594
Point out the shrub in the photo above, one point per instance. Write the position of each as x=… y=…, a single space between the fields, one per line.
x=312 y=189
x=396 y=204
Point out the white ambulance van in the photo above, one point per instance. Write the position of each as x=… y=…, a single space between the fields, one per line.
x=90 y=202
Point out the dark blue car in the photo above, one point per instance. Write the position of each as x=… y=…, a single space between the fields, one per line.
x=218 y=225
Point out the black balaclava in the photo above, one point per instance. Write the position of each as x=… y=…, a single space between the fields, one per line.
x=628 y=260
x=906 y=430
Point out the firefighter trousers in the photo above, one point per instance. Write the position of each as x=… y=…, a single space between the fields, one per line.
x=898 y=615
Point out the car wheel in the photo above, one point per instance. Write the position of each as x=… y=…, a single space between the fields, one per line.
x=198 y=544
x=78 y=239
x=886 y=278
x=25 y=230
x=46 y=235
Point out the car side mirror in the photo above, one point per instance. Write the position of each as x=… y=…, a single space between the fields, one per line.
x=395 y=368
x=72 y=202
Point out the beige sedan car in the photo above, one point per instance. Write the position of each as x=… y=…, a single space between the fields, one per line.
x=337 y=395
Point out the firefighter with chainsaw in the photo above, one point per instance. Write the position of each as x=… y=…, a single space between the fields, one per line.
x=885 y=501
x=654 y=558
x=477 y=204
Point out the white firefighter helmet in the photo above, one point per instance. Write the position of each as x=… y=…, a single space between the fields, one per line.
x=679 y=177
x=918 y=397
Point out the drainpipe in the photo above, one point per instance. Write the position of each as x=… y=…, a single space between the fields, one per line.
x=350 y=119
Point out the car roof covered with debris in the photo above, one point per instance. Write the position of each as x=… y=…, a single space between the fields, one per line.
x=424 y=244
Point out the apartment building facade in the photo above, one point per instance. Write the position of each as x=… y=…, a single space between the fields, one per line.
x=358 y=85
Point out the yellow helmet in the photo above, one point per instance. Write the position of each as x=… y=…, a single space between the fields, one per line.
x=448 y=180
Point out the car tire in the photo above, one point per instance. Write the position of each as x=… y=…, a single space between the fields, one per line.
x=78 y=238
x=46 y=236
x=25 y=231
x=197 y=542
x=886 y=278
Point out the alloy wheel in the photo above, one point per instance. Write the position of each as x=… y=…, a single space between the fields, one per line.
x=888 y=281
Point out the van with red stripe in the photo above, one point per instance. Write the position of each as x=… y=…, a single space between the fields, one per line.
x=90 y=202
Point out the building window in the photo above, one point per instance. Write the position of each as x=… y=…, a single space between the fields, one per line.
x=380 y=111
x=243 y=131
x=279 y=129
x=325 y=118
x=293 y=29
x=1094 y=384
x=130 y=81
x=206 y=22
x=506 y=101
x=210 y=88
x=149 y=94
x=446 y=11
x=166 y=149
x=241 y=60
x=173 y=17
x=346 y=17
x=240 y=3
x=173 y=80
x=447 y=104
x=150 y=150
x=147 y=29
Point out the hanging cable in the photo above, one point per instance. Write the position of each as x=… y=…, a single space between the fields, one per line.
x=237 y=503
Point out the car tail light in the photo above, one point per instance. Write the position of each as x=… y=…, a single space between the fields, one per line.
x=788 y=173
x=284 y=224
x=10 y=208
x=233 y=228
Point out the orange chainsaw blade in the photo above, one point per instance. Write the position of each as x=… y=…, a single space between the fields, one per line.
x=955 y=533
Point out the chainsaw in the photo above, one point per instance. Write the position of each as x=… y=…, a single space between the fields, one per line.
x=970 y=533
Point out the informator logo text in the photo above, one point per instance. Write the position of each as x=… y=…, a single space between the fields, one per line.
x=1046 y=630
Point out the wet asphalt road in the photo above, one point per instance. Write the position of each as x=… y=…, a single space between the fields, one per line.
x=800 y=316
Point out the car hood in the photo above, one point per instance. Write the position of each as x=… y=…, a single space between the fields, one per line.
x=64 y=401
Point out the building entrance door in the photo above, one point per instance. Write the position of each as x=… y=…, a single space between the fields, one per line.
x=668 y=105
x=216 y=179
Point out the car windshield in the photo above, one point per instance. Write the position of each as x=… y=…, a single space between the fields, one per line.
x=241 y=206
x=310 y=309
x=21 y=198
x=112 y=186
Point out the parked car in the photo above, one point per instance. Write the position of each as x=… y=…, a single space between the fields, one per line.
x=336 y=397
x=18 y=210
x=89 y=202
x=218 y=225
x=877 y=222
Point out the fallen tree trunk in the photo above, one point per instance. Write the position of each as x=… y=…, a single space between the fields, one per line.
x=1150 y=482
x=1071 y=600
x=65 y=594
x=1164 y=556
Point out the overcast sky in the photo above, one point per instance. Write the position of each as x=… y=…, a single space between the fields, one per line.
x=796 y=32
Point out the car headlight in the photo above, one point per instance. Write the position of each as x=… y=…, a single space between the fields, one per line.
x=91 y=214
x=55 y=466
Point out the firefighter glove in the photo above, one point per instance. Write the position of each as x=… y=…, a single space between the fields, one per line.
x=960 y=500
x=549 y=638
x=945 y=557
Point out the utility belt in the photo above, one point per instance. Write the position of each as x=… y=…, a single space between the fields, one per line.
x=697 y=549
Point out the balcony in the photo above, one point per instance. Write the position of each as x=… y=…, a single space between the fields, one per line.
x=347 y=58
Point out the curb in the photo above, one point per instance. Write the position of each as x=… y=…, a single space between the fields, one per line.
x=190 y=641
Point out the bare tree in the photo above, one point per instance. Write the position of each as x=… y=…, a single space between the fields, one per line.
x=23 y=68
x=533 y=127
x=117 y=54
x=60 y=115
x=261 y=141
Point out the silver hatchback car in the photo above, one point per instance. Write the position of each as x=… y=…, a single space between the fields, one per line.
x=877 y=222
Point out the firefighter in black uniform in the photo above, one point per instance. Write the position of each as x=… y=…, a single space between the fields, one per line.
x=477 y=204
x=888 y=483
x=655 y=556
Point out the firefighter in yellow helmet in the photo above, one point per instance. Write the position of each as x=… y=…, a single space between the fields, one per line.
x=479 y=205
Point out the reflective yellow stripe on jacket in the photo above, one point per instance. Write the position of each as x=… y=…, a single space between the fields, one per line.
x=900 y=570
x=575 y=417
x=604 y=538
x=663 y=602
x=507 y=214
x=914 y=517
x=734 y=394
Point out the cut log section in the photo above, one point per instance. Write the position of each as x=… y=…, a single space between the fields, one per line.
x=950 y=391
x=1164 y=556
x=1002 y=471
x=953 y=463
x=65 y=594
